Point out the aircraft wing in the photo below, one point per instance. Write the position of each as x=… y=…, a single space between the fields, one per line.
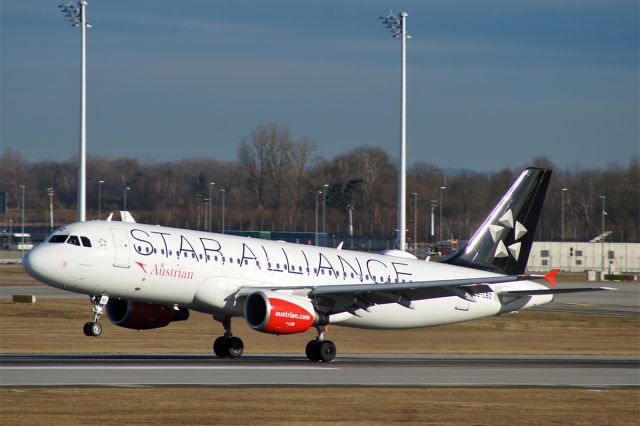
x=333 y=299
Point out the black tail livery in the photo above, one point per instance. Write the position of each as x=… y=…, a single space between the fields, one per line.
x=503 y=241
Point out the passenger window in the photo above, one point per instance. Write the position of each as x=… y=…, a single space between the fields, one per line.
x=58 y=238
x=73 y=239
x=85 y=241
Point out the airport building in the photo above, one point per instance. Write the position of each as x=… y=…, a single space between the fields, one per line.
x=612 y=258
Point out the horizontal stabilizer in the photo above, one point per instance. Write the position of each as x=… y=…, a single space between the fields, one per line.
x=552 y=291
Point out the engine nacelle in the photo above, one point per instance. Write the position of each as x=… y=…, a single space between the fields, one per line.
x=278 y=313
x=143 y=316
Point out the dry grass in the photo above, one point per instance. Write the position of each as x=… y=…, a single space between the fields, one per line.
x=55 y=326
x=347 y=406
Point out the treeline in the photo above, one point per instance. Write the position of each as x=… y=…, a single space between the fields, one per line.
x=278 y=182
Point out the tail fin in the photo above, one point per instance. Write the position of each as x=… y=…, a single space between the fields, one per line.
x=503 y=241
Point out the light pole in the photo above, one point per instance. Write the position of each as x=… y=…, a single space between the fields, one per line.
x=50 y=193
x=562 y=216
x=126 y=189
x=442 y=188
x=398 y=27
x=604 y=213
x=415 y=223
x=206 y=203
x=198 y=205
x=211 y=185
x=100 y=182
x=350 y=207
x=433 y=207
x=223 y=193
x=317 y=193
x=77 y=14
x=324 y=208
x=22 y=235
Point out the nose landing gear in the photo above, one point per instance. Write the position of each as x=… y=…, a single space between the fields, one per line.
x=94 y=328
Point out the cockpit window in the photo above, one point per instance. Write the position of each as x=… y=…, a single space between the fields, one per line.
x=85 y=241
x=73 y=239
x=60 y=238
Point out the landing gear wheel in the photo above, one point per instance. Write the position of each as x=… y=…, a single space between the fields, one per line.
x=235 y=347
x=312 y=351
x=87 y=329
x=220 y=347
x=326 y=351
x=92 y=329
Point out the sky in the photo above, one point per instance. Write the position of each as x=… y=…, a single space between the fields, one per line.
x=491 y=84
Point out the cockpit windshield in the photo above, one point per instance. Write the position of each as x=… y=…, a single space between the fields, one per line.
x=59 y=238
x=75 y=240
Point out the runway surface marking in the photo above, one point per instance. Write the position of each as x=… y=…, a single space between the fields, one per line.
x=163 y=367
x=347 y=370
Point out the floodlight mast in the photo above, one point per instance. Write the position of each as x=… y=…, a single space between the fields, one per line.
x=77 y=15
x=398 y=27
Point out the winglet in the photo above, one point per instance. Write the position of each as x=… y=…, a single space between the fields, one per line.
x=551 y=277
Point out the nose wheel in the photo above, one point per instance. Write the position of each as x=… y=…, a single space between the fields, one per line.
x=93 y=328
x=227 y=346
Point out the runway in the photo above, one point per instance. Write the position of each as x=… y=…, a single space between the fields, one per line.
x=346 y=370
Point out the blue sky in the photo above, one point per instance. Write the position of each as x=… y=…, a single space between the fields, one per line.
x=492 y=84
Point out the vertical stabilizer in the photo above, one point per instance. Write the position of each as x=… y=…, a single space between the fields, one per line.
x=503 y=241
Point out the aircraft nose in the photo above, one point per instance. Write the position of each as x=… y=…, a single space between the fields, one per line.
x=35 y=263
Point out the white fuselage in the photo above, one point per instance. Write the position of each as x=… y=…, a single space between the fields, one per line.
x=203 y=271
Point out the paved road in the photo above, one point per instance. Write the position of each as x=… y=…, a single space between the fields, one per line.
x=291 y=370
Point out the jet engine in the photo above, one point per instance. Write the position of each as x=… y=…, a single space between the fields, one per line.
x=143 y=316
x=278 y=313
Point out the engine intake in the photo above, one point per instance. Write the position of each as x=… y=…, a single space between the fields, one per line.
x=143 y=316
x=277 y=313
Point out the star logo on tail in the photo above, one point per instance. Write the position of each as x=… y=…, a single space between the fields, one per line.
x=506 y=223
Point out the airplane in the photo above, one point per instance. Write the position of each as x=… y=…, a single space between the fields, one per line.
x=148 y=276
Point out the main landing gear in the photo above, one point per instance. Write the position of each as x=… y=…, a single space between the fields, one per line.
x=94 y=328
x=320 y=349
x=227 y=346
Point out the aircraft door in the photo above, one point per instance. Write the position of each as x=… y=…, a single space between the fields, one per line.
x=121 y=244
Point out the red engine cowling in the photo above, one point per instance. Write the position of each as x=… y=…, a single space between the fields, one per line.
x=277 y=313
x=143 y=316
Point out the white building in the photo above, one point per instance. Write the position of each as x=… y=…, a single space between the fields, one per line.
x=579 y=257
